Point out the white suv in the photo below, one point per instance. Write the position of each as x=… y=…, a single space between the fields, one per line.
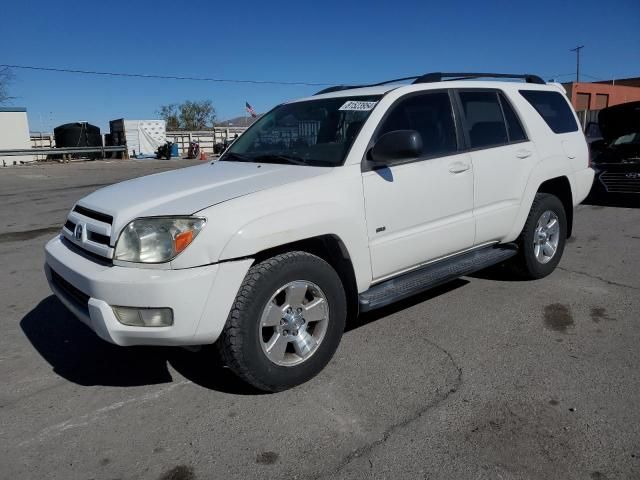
x=327 y=206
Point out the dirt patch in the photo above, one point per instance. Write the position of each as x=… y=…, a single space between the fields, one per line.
x=28 y=234
x=600 y=313
x=180 y=472
x=521 y=440
x=557 y=317
x=267 y=458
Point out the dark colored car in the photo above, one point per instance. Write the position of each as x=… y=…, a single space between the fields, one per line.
x=616 y=157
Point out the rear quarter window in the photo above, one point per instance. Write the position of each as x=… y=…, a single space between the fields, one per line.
x=553 y=108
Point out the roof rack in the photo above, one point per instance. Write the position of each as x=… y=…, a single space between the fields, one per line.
x=439 y=77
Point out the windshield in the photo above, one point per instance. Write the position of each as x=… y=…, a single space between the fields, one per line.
x=314 y=132
x=629 y=139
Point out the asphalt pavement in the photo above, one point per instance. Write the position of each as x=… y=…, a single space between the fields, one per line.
x=483 y=378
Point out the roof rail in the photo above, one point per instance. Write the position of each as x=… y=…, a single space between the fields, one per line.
x=337 y=88
x=440 y=76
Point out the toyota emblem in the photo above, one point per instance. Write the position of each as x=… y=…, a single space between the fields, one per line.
x=78 y=231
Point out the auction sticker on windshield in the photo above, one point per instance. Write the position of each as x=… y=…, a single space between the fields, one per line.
x=355 y=105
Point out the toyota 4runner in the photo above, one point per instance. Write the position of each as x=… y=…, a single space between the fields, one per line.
x=327 y=206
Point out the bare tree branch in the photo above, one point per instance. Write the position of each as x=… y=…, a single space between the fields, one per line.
x=6 y=77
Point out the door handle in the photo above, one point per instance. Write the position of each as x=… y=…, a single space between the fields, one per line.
x=523 y=153
x=459 y=167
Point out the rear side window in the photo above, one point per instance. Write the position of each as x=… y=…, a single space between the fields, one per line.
x=483 y=117
x=431 y=115
x=553 y=108
x=514 y=127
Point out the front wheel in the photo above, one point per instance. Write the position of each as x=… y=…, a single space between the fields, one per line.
x=286 y=322
x=543 y=237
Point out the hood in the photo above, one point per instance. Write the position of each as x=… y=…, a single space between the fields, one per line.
x=619 y=120
x=188 y=190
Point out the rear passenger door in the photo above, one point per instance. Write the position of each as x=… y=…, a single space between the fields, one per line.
x=502 y=158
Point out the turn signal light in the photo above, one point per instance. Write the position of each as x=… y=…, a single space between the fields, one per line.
x=183 y=240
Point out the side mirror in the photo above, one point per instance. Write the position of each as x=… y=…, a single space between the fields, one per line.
x=395 y=146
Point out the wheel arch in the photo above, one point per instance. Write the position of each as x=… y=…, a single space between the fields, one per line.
x=332 y=250
x=541 y=181
x=561 y=188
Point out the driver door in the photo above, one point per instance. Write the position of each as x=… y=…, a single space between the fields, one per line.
x=421 y=209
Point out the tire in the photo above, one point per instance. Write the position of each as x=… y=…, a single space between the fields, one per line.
x=529 y=264
x=268 y=288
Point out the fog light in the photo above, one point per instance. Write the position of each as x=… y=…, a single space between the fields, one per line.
x=144 y=317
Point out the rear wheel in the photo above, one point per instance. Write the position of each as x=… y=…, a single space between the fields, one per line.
x=286 y=322
x=542 y=240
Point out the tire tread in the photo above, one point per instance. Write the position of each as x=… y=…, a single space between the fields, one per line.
x=230 y=342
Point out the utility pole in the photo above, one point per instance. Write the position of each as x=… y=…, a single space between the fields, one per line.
x=577 y=50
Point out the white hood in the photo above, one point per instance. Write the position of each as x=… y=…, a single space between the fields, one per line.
x=188 y=190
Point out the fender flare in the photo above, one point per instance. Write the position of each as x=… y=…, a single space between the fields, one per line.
x=275 y=230
x=538 y=176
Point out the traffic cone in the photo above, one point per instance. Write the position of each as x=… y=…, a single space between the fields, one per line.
x=203 y=155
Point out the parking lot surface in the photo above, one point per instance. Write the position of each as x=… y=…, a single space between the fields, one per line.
x=481 y=378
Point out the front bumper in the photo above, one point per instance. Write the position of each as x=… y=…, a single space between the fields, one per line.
x=617 y=179
x=200 y=297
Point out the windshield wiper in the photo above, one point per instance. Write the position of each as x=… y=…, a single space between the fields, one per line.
x=275 y=158
x=236 y=157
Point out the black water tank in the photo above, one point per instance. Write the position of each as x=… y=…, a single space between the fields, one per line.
x=80 y=134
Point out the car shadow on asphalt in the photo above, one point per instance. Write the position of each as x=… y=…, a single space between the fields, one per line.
x=80 y=356
x=613 y=200
x=77 y=354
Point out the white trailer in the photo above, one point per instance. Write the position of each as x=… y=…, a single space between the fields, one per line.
x=14 y=135
x=142 y=137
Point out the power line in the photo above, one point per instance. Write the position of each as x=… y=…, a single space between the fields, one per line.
x=572 y=74
x=164 y=77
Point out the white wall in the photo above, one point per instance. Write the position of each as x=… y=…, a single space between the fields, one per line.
x=14 y=134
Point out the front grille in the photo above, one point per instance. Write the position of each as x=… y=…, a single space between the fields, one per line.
x=107 y=262
x=101 y=217
x=90 y=232
x=98 y=238
x=621 y=182
x=73 y=294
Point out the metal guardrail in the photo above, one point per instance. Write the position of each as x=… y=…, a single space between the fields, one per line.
x=61 y=151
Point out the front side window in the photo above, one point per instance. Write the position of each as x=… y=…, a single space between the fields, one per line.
x=429 y=114
x=553 y=108
x=314 y=132
x=483 y=119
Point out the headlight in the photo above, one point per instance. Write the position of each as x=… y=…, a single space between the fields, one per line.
x=156 y=239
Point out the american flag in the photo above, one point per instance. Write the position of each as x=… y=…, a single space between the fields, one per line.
x=250 y=110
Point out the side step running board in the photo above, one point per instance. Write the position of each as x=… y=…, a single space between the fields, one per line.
x=433 y=275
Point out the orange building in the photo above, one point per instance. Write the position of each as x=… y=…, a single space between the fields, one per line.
x=599 y=95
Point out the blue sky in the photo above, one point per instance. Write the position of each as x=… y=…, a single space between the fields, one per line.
x=328 y=41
